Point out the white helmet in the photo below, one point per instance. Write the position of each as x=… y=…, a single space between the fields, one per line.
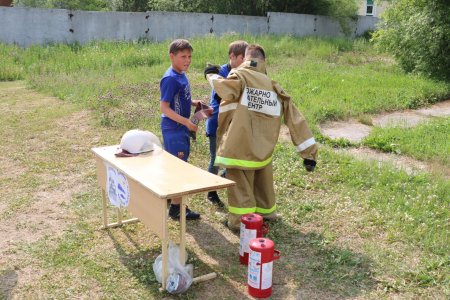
x=136 y=141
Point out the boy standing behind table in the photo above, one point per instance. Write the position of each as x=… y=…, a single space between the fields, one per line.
x=236 y=53
x=175 y=105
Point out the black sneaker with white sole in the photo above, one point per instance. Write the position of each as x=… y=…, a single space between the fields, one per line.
x=174 y=213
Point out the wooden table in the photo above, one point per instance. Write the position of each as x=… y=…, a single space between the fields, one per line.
x=151 y=179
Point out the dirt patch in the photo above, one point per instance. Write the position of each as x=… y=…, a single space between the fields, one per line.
x=441 y=109
x=46 y=215
x=351 y=130
x=405 y=119
x=36 y=176
x=409 y=165
x=8 y=280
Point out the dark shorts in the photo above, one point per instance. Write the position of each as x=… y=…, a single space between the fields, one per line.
x=177 y=143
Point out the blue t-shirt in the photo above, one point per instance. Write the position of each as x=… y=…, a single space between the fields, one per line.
x=211 y=122
x=175 y=89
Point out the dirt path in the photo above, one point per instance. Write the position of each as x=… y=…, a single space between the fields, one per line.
x=355 y=131
x=44 y=163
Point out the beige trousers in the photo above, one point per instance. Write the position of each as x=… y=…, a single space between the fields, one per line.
x=253 y=192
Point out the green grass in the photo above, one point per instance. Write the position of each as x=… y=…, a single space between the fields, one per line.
x=328 y=78
x=428 y=141
x=411 y=212
x=352 y=229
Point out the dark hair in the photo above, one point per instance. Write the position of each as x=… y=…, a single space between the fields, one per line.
x=255 y=51
x=180 y=45
x=237 y=48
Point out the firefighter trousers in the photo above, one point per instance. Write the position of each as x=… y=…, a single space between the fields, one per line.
x=253 y=193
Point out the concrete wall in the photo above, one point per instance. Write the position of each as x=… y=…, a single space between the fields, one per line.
x=27 y=26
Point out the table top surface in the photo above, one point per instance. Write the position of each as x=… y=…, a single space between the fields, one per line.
x=163 y=174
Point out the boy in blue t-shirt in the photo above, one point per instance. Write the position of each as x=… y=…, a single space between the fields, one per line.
x=175 y=107
x=236 y=53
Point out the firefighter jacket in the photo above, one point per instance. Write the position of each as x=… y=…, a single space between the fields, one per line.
x=250 y=115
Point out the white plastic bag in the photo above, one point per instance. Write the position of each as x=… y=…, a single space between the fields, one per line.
x=179 y=277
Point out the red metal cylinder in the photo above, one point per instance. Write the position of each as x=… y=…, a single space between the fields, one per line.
x=252 y=226
x=260 y=266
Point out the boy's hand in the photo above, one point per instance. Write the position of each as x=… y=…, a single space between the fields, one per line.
x=191 y=126
x=196 y=103
x=309 y=164
x=200 y=105
x=211 y=69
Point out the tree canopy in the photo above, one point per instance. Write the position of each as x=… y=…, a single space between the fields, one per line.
x=417 y=34
x=337 y=8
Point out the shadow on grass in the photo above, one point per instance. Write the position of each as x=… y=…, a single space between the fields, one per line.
x=140 y=258
x=320 y=270
x=138 y=262
x=8 y=280
x=309 y=268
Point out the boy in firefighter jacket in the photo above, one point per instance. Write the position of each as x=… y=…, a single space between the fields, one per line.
x=250 y=113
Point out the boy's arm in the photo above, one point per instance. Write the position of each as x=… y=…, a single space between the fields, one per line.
x=301 y=135
x=171 y=114
x=229 y=88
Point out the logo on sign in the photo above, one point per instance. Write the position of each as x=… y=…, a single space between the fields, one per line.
x=117 y=187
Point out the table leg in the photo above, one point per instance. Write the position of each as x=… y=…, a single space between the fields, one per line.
x=120 y=220
x=105 y=214
x=164 y=263
x=183 y=231
x=164 y=244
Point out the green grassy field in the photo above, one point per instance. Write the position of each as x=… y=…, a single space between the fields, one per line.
x=352 y=229
x=328 y=78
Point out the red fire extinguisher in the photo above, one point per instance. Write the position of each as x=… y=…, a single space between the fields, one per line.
x=252 y=226
x=260 y=265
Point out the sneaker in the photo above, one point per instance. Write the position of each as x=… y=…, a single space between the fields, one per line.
x=214 y=199
x=174 y=213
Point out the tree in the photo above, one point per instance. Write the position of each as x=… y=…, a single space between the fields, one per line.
x=417 y=34
x=130 y=5
x=93 y=5
x=336 y=8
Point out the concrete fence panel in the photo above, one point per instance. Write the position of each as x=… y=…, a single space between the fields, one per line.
x=222 y=24
x=86 y=26
x=26 y=26
x=326 y=26
x=295 y=24
x=171 y=25
x=365 y=23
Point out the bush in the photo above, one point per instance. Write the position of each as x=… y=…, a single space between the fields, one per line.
x=417 y=34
